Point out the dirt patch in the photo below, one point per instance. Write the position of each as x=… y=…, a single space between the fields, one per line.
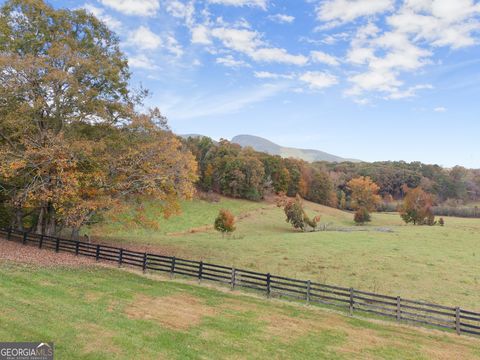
x=238 y=305
x=91 y=296
x=286 y=327
x=199 y=229
x=29 y=254
x=176 y=312
x=359 y=340
x=289 y=328
x=97 y=339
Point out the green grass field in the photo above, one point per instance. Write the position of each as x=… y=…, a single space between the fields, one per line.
x=436 y=264
x=104 y=313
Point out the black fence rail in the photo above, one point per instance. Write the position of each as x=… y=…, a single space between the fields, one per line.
x=402 y=310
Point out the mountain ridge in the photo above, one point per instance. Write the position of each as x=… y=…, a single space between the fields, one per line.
x=264 y=145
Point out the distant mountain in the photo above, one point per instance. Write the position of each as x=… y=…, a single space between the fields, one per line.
x=264 y=145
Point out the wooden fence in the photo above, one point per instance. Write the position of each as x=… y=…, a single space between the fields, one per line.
x=403 y=310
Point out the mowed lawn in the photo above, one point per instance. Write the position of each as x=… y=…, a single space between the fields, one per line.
x=436 y=264
x=104 y=313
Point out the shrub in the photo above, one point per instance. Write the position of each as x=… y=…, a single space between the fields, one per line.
x=297 y=216
x=225 y=222
x=441 y=222
x=362 y=216
x=294 y=211
x=364 y=198
x=417 y=207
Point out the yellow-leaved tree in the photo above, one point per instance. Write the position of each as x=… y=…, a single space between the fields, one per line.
x=364 y=198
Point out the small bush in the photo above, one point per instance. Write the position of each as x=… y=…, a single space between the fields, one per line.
x=225 y=222
x=296 y=215
x=294 y=211
x=362 y=216
x=441 y=222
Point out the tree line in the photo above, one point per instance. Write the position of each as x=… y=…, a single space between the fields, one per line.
x=231 y=170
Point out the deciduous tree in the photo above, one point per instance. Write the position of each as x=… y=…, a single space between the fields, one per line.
x=225 y=222
x=364 y=198
x=417 y=207
x=70 y=141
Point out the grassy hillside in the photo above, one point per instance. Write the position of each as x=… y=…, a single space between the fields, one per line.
x=437 y=264
x=101 y=313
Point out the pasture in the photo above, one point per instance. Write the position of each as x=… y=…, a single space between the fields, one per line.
x=435 y=264
x=94 y=312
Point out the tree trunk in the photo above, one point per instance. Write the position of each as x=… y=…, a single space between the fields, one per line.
x=75 y=234
x=19 y=219
x=40 y=227
x=50 y=222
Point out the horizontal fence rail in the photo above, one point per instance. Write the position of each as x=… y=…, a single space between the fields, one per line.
x=403 y=310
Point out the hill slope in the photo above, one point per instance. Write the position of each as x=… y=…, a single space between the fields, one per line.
x=264 y=145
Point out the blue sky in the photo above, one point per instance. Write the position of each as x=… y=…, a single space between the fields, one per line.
x=369 y=79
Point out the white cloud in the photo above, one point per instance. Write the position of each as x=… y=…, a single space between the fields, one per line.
x=141 y=61
x=201 y=35
x=440 y=109
x=269 y=75
x=252 y=3
x=336 y=12
x=282 y=18
x=99 y=13
x=439 y=22
x=144 y=39
x=250 y=43
x=318 y=80
x=245 y=41
x=324 y=58
x=278 y=55
x=172 y=45
x=230 y=61
x=180 y=10
x=134 y=7
x=407 y=93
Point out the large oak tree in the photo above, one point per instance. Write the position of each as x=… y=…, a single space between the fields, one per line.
x=71 y=142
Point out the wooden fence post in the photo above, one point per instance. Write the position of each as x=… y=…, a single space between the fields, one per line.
x=399 y=313
x=351 y=302
x=24 y=241
x=144 y=265
x=269 y=280
x=77 y=248
x=40 y=243
x=172 y=268
x=57 y=245
x=309 y=284
x=233 y=278
x=457 y=320
x=120 y=258
x=97 y=253
x=200 y=271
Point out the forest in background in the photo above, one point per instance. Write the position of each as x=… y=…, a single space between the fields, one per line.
x=231 y=170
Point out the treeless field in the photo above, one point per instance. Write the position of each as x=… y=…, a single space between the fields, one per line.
x=435 y=264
